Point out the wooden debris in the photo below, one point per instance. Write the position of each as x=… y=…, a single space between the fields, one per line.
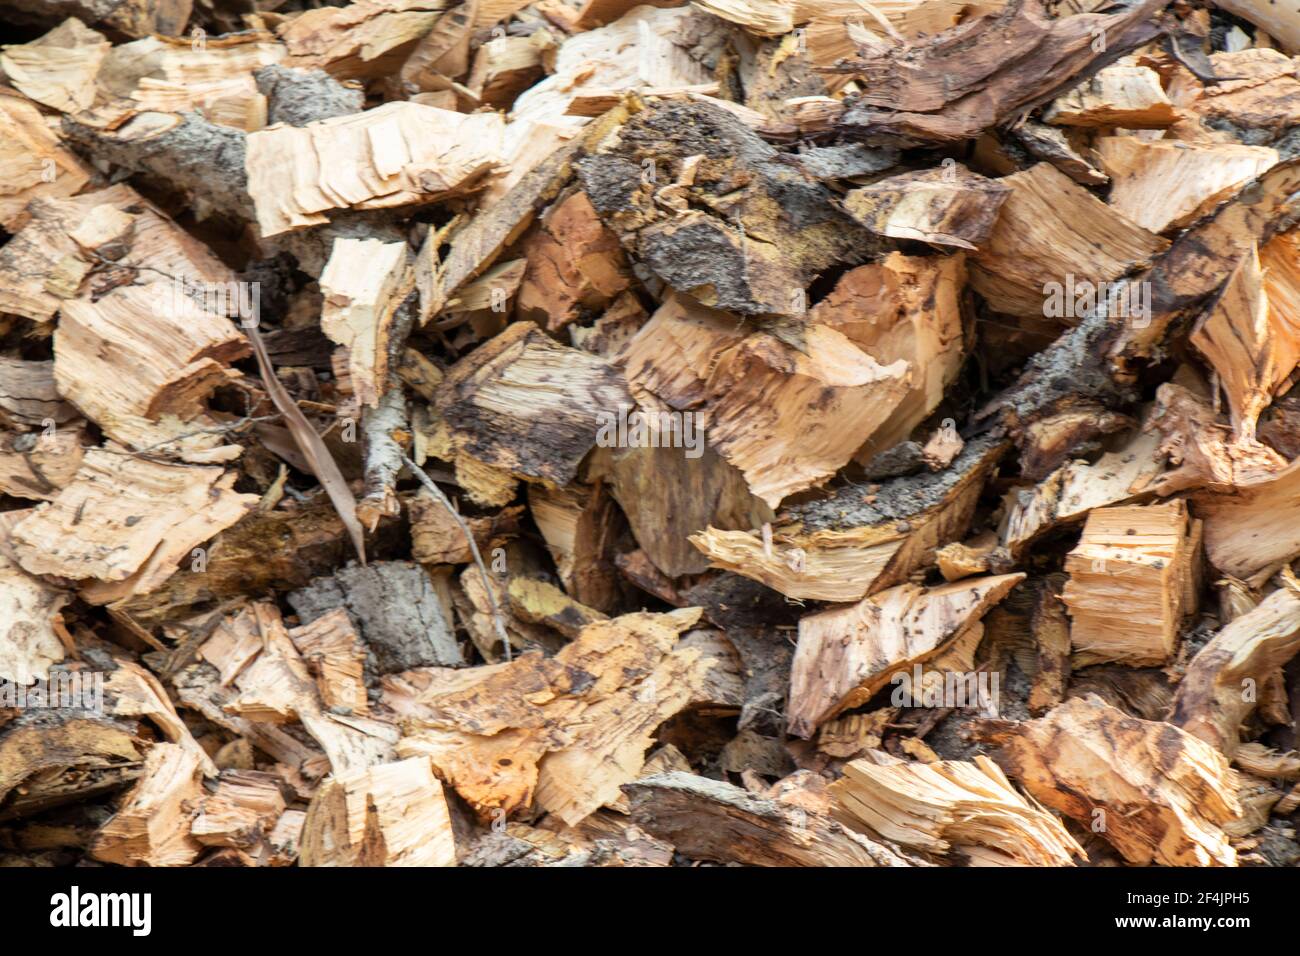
x=1132 y=577
x=545 y=360
x=153 y=826
x=1225 y=680
x=968 y=810
x=124 y=523
x=711 y=820
x=1157 y=794
x=845 y=655
x=1168 y=184
x=1051 y=229
x=846 y=546
x=293 y=187
x=571 y=746
x=1127 y=96
x=950 y=206
x=571 y=394
x=393 y=815
x=361 y=284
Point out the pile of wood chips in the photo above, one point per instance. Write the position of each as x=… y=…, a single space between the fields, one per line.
x=761 y=432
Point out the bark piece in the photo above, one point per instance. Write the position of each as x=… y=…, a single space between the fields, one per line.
x=711 y=820
x=1225 y=680
x=1157 y=794
x=126 y=523
x=950 y=206
x=973 y=76
x=1050 y=228
x=393 y=606
x=299 y=96
x=526 y=405
x=393 y=815
x=967 y=810
x=846 y=655
x=765 y=233
x=427 y=155
x=1165 y=185
x=1130 y=579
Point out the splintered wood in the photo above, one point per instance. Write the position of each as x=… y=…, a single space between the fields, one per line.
x=599 y=433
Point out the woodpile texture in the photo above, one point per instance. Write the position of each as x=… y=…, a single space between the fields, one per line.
x=589 y=433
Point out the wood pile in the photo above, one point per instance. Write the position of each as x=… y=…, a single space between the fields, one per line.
x=590 y=433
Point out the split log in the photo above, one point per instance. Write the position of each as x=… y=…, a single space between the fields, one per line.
x=153 y=826
x=1132 y=581
x=531 y=407
x=1165 y=185
x=582 y=529
x=45 y=264
x=393 y=815
x=586 y=730
x=58 y=70
x=1050 y=229
x=168 y=353
x=366 y=39
x=1157 y=794
x=30 y=643
x=1248 y=345
x=711 y=820
x=275 y=686
x=846 y=655
x=950 y=206
x=429 y=154
x=951 y=808
x=847 y=545
x=1225 y=680
x=640 y=50
x=1127 y=96
x=124 y=524
x=574 y=265
x=363 y=285
x=34 y=163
